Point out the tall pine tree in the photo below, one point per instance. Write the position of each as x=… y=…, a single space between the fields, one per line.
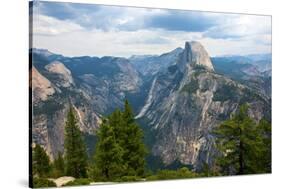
x=261 y=148
x=108 y=163
x=120 y=150
x=243 y=144
x=40 y=162
x=134 y=148
x=115 y=120
x=75 y=149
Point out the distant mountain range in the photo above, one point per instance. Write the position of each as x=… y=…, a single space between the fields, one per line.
x=178 y=97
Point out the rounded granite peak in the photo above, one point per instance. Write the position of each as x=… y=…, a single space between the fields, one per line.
x=196 y=54
x=65 y=77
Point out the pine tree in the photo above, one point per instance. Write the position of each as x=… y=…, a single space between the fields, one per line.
x=120 y=150
x=75 y=149
x=115 y=120
x=232 y=142
x=265 y=131
x=59 y=165
x=40 y=162
x=108 y=163
x=128 y=115
x=261 y=149
x=134 y=148
x=243 y=145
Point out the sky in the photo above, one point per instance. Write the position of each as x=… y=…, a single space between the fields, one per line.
x=74 y=29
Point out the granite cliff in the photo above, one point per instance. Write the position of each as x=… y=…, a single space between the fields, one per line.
x=178 y=97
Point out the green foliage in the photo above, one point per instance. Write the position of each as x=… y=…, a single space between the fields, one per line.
x=90 y=141
x=48 y=107
x=41 y=182
x=225 y=92
x=199 y=67
x=128 y=179
x=75 y=149
x=40 y=162
x=205 y=85
x=245 y=147
x=79 y=182
x=154 y=163
x=120 y=150
x=108 y=163
x=262 y=148
x=191 y=87
x=58 y=166
x=132 y=143
x=209 y=171
x=181 y=173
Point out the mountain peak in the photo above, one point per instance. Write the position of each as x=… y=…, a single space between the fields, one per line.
x=65 y=77
x=196 y=54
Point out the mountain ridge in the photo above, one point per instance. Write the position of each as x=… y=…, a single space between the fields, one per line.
x=178 y=98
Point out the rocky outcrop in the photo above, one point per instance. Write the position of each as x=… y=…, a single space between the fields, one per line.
x=150 y=65
x=187 y=102
x=195 y=54
x=63 y=74
x=128 y=79
x=49 y=121
x=41 y=86
x=93 y=91
x=179 y=97
x=62 y=180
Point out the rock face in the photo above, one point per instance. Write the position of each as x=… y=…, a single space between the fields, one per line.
x=179 y=97
x=63 y=74
x=195 y=55
x=94 y=86
x=187 y=102
x=149 y=65
x=41 y=87
x=62 y=180
x=244 y=70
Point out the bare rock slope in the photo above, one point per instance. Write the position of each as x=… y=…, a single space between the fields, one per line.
x=187 y=101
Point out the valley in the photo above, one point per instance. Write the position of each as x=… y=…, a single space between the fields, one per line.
x=178 y=98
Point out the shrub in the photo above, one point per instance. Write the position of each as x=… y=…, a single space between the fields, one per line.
x=191 y=87
x=226 y=92
x=42 y=182
x=77 y=182
x=152 y=177
x=199 y=67
x=172 y=174
x=128 y=179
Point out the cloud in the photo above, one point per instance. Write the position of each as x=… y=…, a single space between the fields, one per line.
x=126 y=18
x=45 y=25
x=113 y=43
x=214 y=25
x=237 y=26
x=238 y=46
x=91 y=16
x=88 y=16
x=99 y=30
